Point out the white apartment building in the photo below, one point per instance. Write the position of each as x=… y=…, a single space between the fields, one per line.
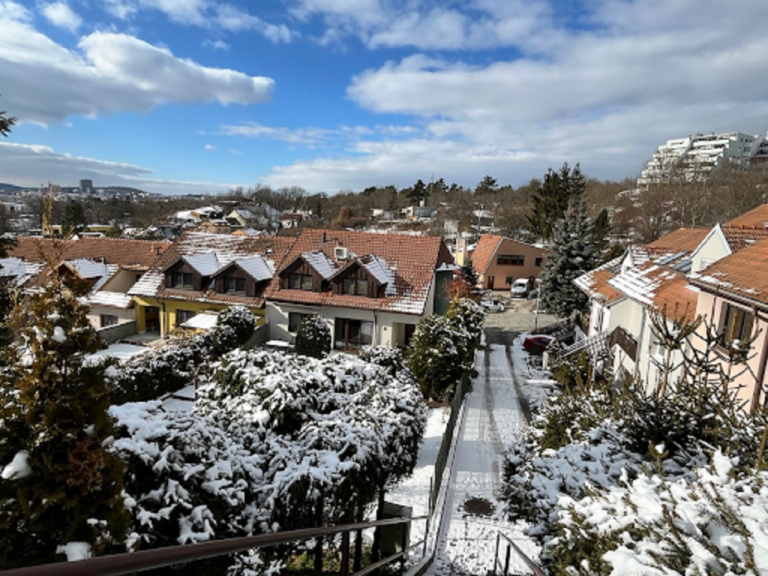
x=700 y=154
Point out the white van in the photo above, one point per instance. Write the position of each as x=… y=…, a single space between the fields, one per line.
x=519 y=288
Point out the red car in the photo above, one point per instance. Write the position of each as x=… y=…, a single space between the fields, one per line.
x=537 y=344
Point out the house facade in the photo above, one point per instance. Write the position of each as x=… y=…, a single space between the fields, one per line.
x=206 y=273
x=499 y=261
x=370 y=288
x=712 y=274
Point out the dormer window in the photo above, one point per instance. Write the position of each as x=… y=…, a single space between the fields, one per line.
x=182 y=280
x=298 y=281
x=354 y=287
x=233 y=284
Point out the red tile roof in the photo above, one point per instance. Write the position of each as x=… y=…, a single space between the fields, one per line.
x=682 y=239
x=413 y=259
x=755 y=217
x=227 y=248
x=744 y=273
x=484 y=251
x=123 y=251
x=739 y=237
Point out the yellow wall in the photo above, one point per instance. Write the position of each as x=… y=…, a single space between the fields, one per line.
x=169 y=307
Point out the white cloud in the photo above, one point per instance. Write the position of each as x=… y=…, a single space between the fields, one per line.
x=210 y=147
x=45 y=82
x=31 y=165
x=234 y=19
x=204 y=14
x=14 y=12
x=634 y=74
x=478 y=24
x=216 y=45
x=61 y=15
x=235 y=151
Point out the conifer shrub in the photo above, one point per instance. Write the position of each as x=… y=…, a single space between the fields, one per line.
x=387 y=357
x=64 y=484
x=313 y=337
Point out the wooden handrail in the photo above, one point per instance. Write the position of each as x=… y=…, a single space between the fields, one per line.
x=130 y=562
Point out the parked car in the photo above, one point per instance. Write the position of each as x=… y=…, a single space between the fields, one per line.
x=519 y=288
x=537 y=343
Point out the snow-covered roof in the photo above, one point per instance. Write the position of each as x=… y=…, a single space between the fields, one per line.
x=113 y=299
x=19 y=270
x=258 y=267
x=320 y=262
x=202 y=321
x=207 y=264
x=380 y=270
x=244 y=214
x=86 y=268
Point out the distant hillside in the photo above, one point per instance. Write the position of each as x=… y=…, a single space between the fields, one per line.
x=11 y=187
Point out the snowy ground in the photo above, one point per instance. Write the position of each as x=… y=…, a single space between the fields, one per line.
x=122 y=352
x=492 y=418
x=414 y=491
x=534 y=383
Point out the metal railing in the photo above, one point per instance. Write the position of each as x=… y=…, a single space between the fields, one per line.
x=465 y=385
x=128 y=563
x=511 y=546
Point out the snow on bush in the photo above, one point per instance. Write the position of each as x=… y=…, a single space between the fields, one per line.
x=186 y=479
x=313 y=337
x=173 y=366
x=387 y=357
x=443 y=347
x=331 y=431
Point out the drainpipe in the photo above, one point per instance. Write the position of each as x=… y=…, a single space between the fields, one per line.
x=375 y=328
x=163 y=327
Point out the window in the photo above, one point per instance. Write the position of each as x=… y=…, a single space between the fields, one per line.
x=232 y=284
x=294 y=319
x=300 y=282
x=737 y=324
x=108 y=320
x=508 y=280
x=510 y=260
x=351 y=334
x=182 y=279
x=184 y=315
x=539 y=261
x=356 y=287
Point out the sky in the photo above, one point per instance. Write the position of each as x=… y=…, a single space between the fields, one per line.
x=191 y=96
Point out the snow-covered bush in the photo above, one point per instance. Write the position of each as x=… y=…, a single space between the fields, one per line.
x=173 y=366
x=387 y=357
x=160 y=371
x=186 y=479
x=443 y=347
x=325 y=428
x=313 y=337
x=234 y=327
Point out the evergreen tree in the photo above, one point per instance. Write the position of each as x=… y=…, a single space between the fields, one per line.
x=437 y=189
x=554 y=195
x=6 y=123
x=602 y=229
x=313 y=337
x=572 y=254
x=487 y=185
x=66 y=485
x=74 y=220
x=418 y=192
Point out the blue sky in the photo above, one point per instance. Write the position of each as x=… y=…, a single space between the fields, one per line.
x=199 y=95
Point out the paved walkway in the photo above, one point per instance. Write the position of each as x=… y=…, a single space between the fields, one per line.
x=492 y=419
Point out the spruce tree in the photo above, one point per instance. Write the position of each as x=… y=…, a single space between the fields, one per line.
x=572 y=254
x=553 y=196
x=67 y=483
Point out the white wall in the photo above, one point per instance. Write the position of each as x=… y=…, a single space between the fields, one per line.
x=123 y=315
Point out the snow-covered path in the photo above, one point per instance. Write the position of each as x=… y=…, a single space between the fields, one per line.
x=492 y=418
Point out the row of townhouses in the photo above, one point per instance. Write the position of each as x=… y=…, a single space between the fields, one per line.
x=719 y=274
x=371 y=288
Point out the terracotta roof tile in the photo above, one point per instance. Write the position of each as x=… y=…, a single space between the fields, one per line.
x=484 y=251
x=682 y=239
x=755 y=217
x=227 y=248
x=739 y=237
x=413 y=259
x=743 y=273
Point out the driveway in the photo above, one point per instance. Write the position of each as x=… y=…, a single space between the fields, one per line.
x=503 y=327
